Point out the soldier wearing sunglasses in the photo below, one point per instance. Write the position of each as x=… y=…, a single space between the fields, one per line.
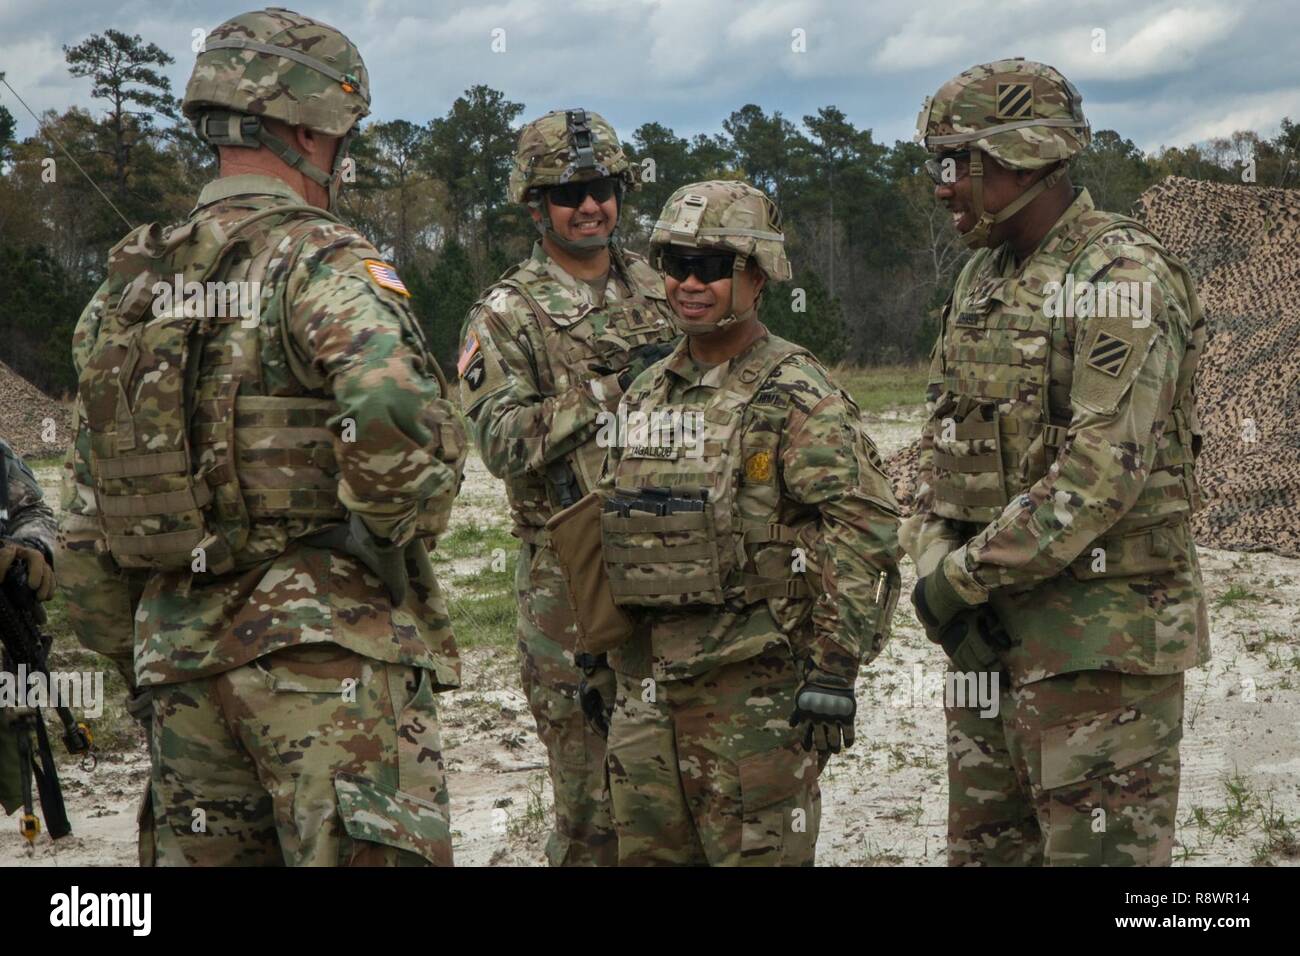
x=758 y=566
x=546 y=350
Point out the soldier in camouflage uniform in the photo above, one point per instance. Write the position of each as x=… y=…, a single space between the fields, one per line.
x=751 y=533
x=1056 y=484
x=27 y=533
x=249 y=541
x=546 y=350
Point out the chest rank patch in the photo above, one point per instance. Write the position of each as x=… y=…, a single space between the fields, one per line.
x=385 y=276
x=1015 y=101
x=758 y=466
x=1109 y=353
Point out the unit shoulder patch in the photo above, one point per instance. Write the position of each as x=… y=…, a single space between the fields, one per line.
x=1109 y=353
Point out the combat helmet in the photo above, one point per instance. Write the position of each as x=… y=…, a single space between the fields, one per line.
x=279 y=64
x=1025 y=115
x=725 y=216
x=567 y=146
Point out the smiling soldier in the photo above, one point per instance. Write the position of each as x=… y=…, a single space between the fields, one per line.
x=1056 y=483
x=546 y=353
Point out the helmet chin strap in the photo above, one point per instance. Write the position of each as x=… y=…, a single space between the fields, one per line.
x=233 y=129
x=978 y=236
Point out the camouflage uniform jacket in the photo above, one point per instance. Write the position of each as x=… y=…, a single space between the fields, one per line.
x=804 y=448
x=535 y=376
x=1067 y=509
x=26 y=516
x=342 y=335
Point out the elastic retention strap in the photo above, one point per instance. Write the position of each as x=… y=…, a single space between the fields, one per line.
x=298 y=57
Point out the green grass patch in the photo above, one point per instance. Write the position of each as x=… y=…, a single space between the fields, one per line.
x=1235 y=595
x=882 y=387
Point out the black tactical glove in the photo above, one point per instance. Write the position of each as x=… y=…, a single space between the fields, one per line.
x=596 y=693
x=825 y=708
x=641 y=358
x=972 y=639
x=937 y=603
x=383 y=559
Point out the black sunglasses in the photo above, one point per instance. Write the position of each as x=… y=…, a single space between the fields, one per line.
x=709 y=267
x=571 y=195
x=935 y=166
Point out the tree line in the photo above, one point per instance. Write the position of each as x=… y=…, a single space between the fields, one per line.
x=873 y=254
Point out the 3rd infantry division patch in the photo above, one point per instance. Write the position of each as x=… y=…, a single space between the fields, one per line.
x=1015 y=101
x=1109 y=353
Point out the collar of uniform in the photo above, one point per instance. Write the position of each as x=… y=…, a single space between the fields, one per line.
x=556 y=271
x=247 y=184
x=681 y=364
x=1082 y=204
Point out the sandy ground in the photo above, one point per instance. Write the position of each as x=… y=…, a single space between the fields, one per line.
x=884 y=801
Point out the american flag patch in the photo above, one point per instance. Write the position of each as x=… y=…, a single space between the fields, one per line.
x=467 y=353
x=386 y=276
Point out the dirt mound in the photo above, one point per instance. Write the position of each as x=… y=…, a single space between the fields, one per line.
x=1241 y=243
x=28 y=417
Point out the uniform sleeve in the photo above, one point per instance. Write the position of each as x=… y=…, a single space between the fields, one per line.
x=362 y=345
x=516 y=429
x=30 y=518
x=827 y=464
x=1122 y=395
x=100 y=602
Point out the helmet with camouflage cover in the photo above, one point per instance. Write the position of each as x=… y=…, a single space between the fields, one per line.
x=1025 y=115
x=723 y=215
x=279 y=64
x=567 y=146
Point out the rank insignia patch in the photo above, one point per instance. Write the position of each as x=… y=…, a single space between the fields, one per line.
x=386 y=276
x=1015 y=101
x=1109 y=353
x=758 y=467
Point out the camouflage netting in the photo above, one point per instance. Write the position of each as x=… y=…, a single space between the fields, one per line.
x=1242 y=244
x=24 y=412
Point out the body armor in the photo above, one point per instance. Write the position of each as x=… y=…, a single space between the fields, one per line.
x=703 y=524
x=1005 y=408
x=199 y=463
x=580 y=338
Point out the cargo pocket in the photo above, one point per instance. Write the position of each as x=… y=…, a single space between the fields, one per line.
x=780 y=808
x=1107 y=802
x=374 y=815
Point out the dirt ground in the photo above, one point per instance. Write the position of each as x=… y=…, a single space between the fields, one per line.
x=884 y=801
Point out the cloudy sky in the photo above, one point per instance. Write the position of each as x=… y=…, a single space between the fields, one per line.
x=1167 y=72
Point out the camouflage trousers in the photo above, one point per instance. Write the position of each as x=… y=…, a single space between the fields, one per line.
x=707 y=771
x=1076 y=770
x=312 y=756
x=583 y=834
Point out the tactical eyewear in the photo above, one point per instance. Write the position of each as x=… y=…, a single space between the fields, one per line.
x=936 y=166
x=706 y=268
x=571 y=195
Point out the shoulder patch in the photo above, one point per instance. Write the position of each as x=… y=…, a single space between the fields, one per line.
x=1109 y=353
x=385 y=276
x=467 y=353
